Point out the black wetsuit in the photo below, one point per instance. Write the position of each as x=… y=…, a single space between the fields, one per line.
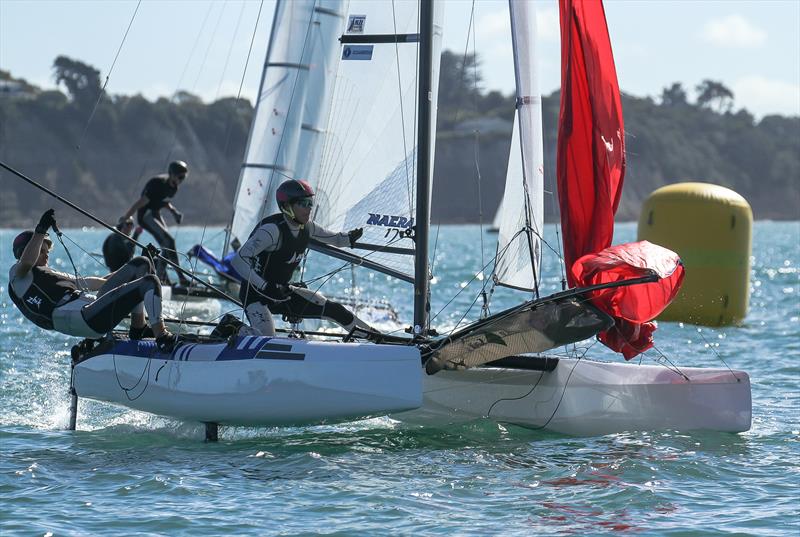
x=276 y=267
x=44 y=290
x=267 y=261
x=52 y=300
x=159 y=194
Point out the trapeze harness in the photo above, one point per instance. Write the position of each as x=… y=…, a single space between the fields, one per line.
x=276 y=268
x=52 y=300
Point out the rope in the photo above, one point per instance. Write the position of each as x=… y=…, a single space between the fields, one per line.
x=108 y=76
x=69 y=255
x=719 y=357
x=474 y=277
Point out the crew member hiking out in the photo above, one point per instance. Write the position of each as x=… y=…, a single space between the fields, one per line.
x=157 y=194
x=270 y=256
x=57 y=301
x=117 y=250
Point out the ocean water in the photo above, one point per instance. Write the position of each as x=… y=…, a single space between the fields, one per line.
x=128 y=473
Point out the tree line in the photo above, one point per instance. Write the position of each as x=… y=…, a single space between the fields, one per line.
x=99 y=149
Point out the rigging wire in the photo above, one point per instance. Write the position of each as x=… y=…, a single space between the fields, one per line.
x=194 y=86
x=108 y=76
x=409 y=186
x=474 y=278
x=228 y=55
x=228 y=127
x=476 y=144
x=719 y=357
x=72 y=261
x=214 y=194
x=664 y=360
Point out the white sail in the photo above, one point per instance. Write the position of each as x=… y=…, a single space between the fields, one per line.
x=275 y=131
x=368 y=168
x=329 y=17
x=521 y=212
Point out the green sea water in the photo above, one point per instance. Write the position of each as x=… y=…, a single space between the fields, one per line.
x=129 y=473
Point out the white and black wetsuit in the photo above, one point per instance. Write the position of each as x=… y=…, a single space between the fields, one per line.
x=159 y=193
x=53 y=301
x=268 y=259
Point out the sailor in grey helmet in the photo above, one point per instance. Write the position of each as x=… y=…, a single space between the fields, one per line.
x=269 y=257
x=157 y=195
x=58 y=301
x=117 y=250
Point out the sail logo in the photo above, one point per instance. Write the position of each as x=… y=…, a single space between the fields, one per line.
x=35 y=301
x=357 y=52
x=296 y=258
x=387 y=220
x=356 y=23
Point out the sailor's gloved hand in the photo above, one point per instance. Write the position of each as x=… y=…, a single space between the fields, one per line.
x=47 y=221
x=354 y=235
x=178 y=216
x=283 y=291
x=151 y=252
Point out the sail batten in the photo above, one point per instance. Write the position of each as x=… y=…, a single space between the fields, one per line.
x=275 y=131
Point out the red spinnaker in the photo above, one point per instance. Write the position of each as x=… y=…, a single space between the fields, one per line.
x=591 y=132
x=591 y=171
x=633 y=306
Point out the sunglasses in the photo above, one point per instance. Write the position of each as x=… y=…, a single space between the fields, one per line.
x=181 y=177
x=305 y=202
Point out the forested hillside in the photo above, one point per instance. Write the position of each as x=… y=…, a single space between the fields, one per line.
x=99 y=150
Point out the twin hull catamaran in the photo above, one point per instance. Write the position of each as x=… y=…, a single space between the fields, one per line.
x=331 y=64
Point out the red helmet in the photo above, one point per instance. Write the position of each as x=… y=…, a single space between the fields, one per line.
x=22 y=240
x=291 y=190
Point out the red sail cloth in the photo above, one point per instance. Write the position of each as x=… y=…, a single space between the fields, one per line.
x=591 y=171
x=631 y=306
x=591 y=146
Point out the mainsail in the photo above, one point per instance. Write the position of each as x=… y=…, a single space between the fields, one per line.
x=367 y=174
x=292 y=103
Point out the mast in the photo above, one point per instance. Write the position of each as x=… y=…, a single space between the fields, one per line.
x=423 y=209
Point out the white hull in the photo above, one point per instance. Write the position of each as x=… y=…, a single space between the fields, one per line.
x=587 y=398
x=301 y=382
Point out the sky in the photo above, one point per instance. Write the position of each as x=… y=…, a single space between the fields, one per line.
x=201 y=46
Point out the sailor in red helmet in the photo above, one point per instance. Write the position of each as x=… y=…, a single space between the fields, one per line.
x=269 y=257
x=58 y=301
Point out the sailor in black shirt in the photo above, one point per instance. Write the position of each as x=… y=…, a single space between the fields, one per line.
x=62 y=302
x=117 y=250
x=157 y=195
x=270 y=256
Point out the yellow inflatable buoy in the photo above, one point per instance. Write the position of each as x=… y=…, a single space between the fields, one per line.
x=710 y=227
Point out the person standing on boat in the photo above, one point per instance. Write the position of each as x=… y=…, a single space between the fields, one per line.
x=274 y=250
x=118 y=250
x=157 y=195
x=58 y=301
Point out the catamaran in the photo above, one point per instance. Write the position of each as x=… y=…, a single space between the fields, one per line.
x=347 y=99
